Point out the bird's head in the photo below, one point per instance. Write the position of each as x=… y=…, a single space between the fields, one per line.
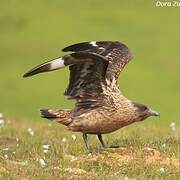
x=144 y=112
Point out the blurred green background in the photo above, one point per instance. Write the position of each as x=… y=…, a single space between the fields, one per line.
x=32 y=32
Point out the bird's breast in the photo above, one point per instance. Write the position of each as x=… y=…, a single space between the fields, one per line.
x=102 y=121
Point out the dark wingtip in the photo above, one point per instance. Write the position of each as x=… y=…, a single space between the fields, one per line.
x=39 y=69
x=83 y=46
x=29 y=73
x=26 y=75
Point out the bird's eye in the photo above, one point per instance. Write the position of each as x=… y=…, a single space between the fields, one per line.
x=145 y=108
x=141 y=107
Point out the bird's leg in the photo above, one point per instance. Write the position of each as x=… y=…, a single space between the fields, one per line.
x=101 y=140
x=103 y=144
x=86 y=142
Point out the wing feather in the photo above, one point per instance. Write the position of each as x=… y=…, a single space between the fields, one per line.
x=93 y=66
x=86 y=79
x=118 y=54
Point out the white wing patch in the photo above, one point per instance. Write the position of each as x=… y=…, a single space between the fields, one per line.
x=93 y=43
x=57 y=63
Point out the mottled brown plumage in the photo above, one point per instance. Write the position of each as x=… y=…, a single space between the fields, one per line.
x=100 y=106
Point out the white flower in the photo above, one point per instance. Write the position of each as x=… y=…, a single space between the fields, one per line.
x=5 y=149
x=64 y=139
x=5 y=156
x=45 y=150
x=73 y=158
x=173 y=126
x=1 y=123
x=45 y=146
x=149 y=149
x=164 y=145
x=162 y=170
x=41 y=162
x=73 y=137
x=89 y=154
x=24 y=163
x=1 y=116
x=30 y=131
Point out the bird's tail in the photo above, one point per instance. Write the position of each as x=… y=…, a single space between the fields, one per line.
x=61 y=116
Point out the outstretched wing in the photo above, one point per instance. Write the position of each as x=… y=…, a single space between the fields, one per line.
x=86 y=82
x=93 y=66
x=87 y=77
x=116 y=53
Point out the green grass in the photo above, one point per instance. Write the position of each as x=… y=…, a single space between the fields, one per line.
x=35 y=31
x=143 y=153
x=32 y=32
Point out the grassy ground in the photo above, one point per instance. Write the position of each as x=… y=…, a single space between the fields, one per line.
x=144 y=153
x=31 y=34
x=35 y=31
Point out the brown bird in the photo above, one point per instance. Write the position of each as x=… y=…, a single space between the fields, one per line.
x=100 y=106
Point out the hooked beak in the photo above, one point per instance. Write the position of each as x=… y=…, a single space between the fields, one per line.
x=153 y=113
